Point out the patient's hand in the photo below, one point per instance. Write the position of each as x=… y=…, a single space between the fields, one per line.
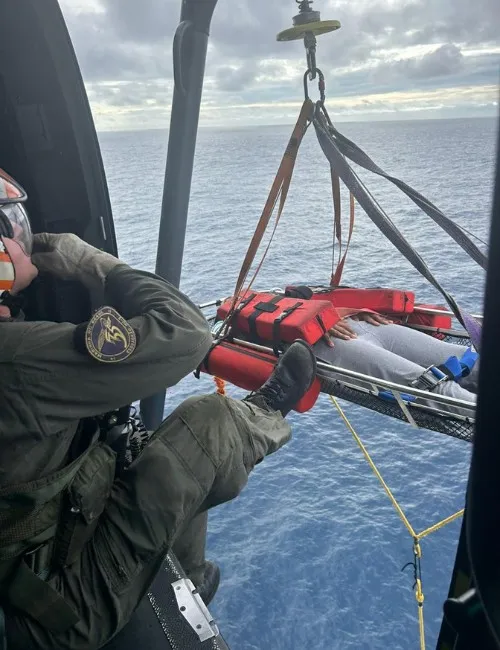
x=373 y=319
x=342 y=330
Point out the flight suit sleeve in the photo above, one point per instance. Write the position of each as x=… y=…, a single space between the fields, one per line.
x=62 y=383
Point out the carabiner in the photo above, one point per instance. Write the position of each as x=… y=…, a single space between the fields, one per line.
x=321 y=83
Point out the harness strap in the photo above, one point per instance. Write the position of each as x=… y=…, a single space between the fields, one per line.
x=205 y=362
x=279 y=190
x=430 y=379
x=451 y=370
x=244 y=303
x=321 y=324
x=337 y=215
x=269 y=306
x=456 y=368
x=358 y=156
x=30 y=594
x=231 y=318
x=280 y=319
x=337 y=275
x=381 y=220
x=468 y=360
x=85 y=484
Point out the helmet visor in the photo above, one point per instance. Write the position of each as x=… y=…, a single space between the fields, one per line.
x=14 y=224
x=10 y=190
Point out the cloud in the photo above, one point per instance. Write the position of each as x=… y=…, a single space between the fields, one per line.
x=399 y=46
x=445 y=60
x=229 y=78
x=141 y=21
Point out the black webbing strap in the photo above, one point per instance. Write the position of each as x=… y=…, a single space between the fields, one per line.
x=377 y=215
x=205 y=362
x=242 y=305
x=277 y=323
x=358 y=156
x=321 y=324
x=264 y=307
x=234 y=316
x=32 y=595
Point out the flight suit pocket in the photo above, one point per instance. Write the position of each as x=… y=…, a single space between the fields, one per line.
x=87 y=496
x=117 y=557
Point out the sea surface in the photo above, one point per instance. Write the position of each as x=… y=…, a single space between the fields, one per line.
x=311 y=552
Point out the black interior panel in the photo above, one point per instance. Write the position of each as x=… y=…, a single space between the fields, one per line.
x=48 y=142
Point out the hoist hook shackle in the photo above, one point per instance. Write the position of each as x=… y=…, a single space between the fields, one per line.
x=321 y=83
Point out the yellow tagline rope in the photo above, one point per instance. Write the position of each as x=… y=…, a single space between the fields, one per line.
x=419 y=594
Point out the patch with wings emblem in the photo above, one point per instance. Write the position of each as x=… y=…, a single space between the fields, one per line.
x=108 y=336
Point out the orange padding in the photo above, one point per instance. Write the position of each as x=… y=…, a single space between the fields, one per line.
x=249 y=369
x=276 y=318
x=385 y=301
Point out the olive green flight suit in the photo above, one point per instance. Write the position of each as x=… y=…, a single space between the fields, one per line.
x=199 y=457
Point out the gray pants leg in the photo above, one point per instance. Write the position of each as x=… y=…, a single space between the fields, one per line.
x=200 y=456
x=394 y=353
x=420 y=348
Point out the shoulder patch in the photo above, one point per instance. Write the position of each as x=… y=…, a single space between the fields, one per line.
x=108 y=336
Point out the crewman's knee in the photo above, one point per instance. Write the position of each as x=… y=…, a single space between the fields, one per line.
x=209 y=422
x=203 y=409
x=227 y=428
x=212 y=424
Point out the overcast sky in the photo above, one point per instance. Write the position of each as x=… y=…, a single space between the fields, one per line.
x=391 y=59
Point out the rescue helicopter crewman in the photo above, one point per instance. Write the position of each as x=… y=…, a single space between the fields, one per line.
x=80 y=543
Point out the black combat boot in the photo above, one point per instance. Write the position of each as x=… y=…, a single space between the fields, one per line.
x=292 y=377
x=206 y=579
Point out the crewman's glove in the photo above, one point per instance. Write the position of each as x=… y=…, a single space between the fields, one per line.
x=70 y=258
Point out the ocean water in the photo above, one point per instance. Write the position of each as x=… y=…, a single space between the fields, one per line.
x=311 y=552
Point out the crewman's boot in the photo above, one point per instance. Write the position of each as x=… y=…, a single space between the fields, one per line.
x=190 y=549
x=292 y=377
x=206 y=579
